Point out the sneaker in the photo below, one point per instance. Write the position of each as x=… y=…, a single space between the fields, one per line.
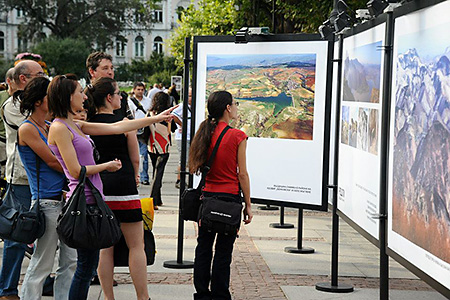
x=177 y=184
x=145 y=182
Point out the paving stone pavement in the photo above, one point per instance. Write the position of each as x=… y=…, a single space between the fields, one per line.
x=260 y=268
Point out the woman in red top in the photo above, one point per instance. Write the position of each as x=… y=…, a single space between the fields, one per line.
x=228 y=172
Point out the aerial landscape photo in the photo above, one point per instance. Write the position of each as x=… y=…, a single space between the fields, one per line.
x=275 y=92
x=362 y=71
x=421 y=140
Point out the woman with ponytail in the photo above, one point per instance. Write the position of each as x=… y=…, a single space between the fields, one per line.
x=119 y=188
x=73 y=148
x=34 y=152
x=228 y=176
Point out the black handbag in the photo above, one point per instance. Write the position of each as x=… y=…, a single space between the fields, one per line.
x=83 y=227
x=121 y=251
x=18 y=223
x=221 y=214
x=190 y=198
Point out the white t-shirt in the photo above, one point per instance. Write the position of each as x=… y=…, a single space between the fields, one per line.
x=152 y=93
x=178 y=113
x=139 y=114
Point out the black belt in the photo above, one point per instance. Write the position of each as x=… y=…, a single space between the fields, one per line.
x=58 y=197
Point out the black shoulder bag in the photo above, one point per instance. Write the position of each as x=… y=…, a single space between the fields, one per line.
x=190 y=199
x=82 y=228
x=16 y=222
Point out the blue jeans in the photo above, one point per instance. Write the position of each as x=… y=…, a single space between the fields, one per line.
x=86 y=265
x=14 y=252
x=143 y=152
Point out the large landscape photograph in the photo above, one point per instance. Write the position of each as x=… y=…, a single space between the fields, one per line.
x=362 y=73
x=275 y=92
x=421 y=140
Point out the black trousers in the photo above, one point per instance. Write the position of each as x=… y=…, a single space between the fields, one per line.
x=219 y=277
x=159 y=162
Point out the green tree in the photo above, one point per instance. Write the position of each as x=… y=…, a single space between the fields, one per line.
x=291 y=16
x=98 y=22
x=209 y=17
x=158 y=68
x=64 y=55
x=212 y=17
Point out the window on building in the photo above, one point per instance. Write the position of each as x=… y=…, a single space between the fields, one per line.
x=20 y=13
x=120 y=48
x=180 y=11
x=158 y=15
x=139 y=46
x=2 y=41
x=158 y=44
x=22 y=44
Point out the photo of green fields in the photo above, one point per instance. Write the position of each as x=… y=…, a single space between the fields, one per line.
x=275 y=92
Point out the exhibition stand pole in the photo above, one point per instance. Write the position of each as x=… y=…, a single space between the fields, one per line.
x=334 y=286
x=384 y=260
x=299 y=249
x=180 y=263
x=281 y=225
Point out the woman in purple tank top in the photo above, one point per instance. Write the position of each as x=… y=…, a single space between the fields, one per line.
x=73 y=148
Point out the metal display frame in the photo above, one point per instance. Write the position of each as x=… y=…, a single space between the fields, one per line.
x=327 y=107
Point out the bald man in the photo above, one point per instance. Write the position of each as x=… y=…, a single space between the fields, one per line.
x=14 y=252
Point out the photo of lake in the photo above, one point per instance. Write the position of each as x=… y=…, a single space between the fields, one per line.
x=275 y=91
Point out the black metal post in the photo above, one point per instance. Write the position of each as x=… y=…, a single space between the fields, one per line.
x=281 y=225
x=180 y=263
x=334 y=286
x=299 y=249
x=384 y=153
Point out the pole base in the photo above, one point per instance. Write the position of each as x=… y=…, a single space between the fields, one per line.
x=340 y=288
x=295 y=250
x=173 y=264
x=282 y=226
x=268 y=207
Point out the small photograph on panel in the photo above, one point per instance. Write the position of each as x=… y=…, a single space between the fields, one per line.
x=363 y=131
x=373 y=131
x=354 y=111
x=345 y=124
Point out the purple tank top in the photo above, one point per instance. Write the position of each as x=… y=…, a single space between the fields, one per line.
x=83 y=148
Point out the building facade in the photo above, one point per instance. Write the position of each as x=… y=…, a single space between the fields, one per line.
x=137 y=43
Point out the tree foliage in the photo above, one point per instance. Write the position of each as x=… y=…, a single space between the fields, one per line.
x=64 y=55
x=97 y=21
x=209 y=17
x=291 y=16
x=159 y=68
x=213 y=17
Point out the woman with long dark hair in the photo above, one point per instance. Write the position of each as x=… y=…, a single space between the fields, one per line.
x=34 y=153
x=227 y=177
x=73 y=148
x=119 y=188
x=159 y=146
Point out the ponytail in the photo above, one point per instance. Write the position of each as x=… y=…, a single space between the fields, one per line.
x=198 y=152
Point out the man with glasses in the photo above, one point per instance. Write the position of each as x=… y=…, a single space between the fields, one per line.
x=14 y=252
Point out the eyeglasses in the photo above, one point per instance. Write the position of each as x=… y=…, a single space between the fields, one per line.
x=38 y=74
x=116 y=93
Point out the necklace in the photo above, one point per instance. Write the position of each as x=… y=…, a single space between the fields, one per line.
x=43 y=128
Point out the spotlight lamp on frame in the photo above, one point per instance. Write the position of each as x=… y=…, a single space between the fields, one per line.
x=376 y=7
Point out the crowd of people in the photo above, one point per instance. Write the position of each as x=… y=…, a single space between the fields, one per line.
x=50 y=129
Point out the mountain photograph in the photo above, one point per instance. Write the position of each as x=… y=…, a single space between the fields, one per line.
x=362 y=74
x=421 y=152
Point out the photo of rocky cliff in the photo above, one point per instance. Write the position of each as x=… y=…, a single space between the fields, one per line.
x=362 y=74
x=353 y=133
x=373 y=131
x=421 y=143
x=345 y=126
x=363 y=127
